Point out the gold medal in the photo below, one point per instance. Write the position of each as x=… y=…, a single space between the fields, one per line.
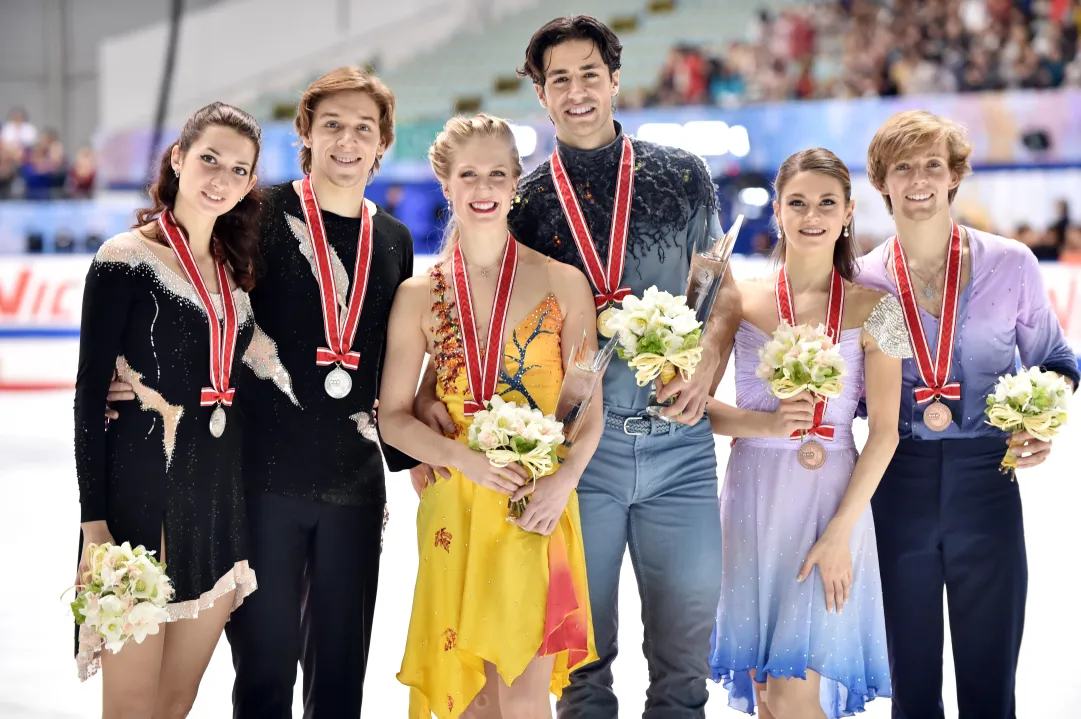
x=602 y=323
x=937 y=417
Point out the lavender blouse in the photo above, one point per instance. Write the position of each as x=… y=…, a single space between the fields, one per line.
x=1003 y=311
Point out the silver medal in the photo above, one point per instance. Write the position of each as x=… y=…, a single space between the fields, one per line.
x=217 y=421
x=338 y=383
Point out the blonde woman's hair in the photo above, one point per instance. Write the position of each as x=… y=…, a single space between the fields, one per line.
x=913 y=130
x=458 y=130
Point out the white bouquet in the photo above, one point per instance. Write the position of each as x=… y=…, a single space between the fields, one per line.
x=800 y=358
x=508 y=433
x=1034 y=401
x=123 y=595
x=658 y=335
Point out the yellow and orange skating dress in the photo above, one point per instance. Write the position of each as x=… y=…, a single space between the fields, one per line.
x=487 y=590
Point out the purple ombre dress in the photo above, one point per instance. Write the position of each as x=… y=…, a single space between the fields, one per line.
x=773 y=510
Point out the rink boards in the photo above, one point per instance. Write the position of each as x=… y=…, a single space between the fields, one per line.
x=41 y=303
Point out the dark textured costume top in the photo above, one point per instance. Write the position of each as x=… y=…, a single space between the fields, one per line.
x=157 y=467
x=674 y=204
x=300 y=442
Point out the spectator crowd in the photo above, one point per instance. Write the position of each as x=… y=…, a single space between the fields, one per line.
x=34 y=166
x=878 y=48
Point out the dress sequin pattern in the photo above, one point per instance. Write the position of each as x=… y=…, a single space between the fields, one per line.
x=668 y=186
x=886 y=324
x=157 y=469
x=486 y=588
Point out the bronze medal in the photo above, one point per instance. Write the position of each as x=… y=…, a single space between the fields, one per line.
x=812 y=455
x=937 y=417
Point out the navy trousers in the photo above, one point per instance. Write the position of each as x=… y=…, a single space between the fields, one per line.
x=317 y=565
x=946 y=517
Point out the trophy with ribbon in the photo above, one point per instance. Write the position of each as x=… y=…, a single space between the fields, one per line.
x=538 y=443
x=661 y=334
x=580 y=381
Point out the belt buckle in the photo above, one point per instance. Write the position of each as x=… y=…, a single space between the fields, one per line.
x=628 y=432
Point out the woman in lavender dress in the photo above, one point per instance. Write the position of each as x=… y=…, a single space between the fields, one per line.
x=799 y=629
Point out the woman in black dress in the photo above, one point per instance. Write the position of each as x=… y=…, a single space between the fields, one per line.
x=166 y=311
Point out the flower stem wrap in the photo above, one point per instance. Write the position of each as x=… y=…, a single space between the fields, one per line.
x=650 y=366
x=1033 y=401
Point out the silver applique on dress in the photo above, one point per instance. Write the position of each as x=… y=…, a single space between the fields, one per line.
x=262 y=357
x=886 y=324
x=150 y=400
x=365 y=426
x=341 y=278
x=130 y=250
x=383 y=531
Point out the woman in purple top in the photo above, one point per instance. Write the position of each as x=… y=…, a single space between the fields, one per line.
x=799 y=629
x=943 y=513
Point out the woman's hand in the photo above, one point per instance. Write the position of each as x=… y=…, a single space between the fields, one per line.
x=548 y=500
x=795 y=414
x=833 y=555
x=93 y=533
x=478 y=470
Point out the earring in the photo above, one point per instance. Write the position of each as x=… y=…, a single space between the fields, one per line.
x=241 y=198
x=846 y=230
x=176 y=172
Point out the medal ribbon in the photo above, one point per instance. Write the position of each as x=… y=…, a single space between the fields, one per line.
x=482 y=373
x=222 y=340
x=339 y=336
x=935 y=372
x=606 y=282
x=834 y=313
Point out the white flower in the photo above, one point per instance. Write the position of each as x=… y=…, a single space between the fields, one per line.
x=90 y=608
x=113 y=633
x=673 y=342
x=110 y=578
x=629 y=341
x=489 y=438
x=631 y=304
x=110 y=606
x=144 y=619
x=142 y=578
x=683 y=324
x=163 y=592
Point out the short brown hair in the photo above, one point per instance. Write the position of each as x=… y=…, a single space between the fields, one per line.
x=823 y=162
x=908 y=131
x=345 y=79
x=574 y=27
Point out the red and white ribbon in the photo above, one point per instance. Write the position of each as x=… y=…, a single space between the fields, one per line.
x=605 y=278
x=339 y=335
x=834 y=313
x=482 y=372
x=935 y=372
x=222 y=339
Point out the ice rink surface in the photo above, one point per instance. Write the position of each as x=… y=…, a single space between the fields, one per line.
x=39 y=521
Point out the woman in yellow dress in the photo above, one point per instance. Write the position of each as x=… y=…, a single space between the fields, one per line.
x=501 y=609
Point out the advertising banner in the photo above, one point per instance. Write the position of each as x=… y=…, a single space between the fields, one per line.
x=41 y=304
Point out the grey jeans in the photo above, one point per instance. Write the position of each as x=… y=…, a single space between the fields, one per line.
x=652 y=486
